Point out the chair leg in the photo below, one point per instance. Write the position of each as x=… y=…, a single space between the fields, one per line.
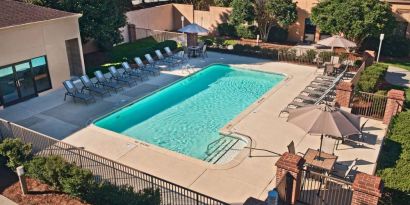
x=65 y=97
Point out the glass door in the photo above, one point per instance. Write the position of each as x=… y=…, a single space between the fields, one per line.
x=25 y=80
x=8 y=85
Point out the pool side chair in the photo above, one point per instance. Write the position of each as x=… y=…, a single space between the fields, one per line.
x=146 y=67
x=178 y=57
x=203 y=52
x=344 y=171
x=154 y=63
x=72 y=91
x=161 y=58
x=92 y=88
x=134 y=73
x=116 y=75
x=105 y=82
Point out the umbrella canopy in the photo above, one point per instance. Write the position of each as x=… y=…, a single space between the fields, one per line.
x=193 y=28
x=323 y=119
x=337 y=41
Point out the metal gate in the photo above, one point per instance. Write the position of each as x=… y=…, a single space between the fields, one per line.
x=369 y=105
x=319 y=189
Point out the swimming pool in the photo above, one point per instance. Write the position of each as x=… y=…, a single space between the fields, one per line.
x=186 y=116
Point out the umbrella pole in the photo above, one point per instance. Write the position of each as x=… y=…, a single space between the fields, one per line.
x=320 y=148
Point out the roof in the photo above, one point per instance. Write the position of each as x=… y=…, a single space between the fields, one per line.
x=15 y=13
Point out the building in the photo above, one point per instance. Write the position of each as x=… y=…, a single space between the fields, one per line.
x=304 y=30
x=39 y=48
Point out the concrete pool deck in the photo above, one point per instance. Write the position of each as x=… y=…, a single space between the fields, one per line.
x=233 y=182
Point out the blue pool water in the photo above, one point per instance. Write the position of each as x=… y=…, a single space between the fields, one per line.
x=186 y=116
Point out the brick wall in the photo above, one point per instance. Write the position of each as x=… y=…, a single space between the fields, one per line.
x=394 y=104
x=367 y=189
x=344 y=92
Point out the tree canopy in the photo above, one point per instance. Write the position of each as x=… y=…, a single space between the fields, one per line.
x=355 y=19
x=101 y=20
x=266 y=13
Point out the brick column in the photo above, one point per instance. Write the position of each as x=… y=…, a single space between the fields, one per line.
x=367 y=189
x=395 y=100
x=293 y=164
x=344 y=92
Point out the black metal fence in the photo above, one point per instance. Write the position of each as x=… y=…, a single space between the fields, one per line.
x=369 y=105
x=105 y=169
x=319 y=189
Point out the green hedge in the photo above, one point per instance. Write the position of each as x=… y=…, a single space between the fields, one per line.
x=128 y=51
x=15 y=152
x=371 y=77
x=248 y=50
x=394 y=162
x=78 y=182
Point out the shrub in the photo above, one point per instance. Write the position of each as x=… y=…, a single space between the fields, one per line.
x=106 y=193
x=15 y=152
x=371 y=77
x=229 y=42
x=393 y=166
x=60 y=174
x=245 y=31
x=226 y=29
x=277 y=35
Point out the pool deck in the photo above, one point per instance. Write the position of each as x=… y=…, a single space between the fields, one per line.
x=233 y=182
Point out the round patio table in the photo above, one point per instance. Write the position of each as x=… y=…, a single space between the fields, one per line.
x=195 y=50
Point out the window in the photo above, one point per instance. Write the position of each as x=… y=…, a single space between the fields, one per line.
x=40 y=72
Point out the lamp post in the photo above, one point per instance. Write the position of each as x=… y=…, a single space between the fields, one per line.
x=182 y=20
x=380 y=46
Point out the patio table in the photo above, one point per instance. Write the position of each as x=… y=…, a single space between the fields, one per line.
x=194 y=50
x=326 y=163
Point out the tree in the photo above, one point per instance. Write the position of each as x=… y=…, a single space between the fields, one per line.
x=101 y=20
x=355 y=19
x=271 y=12
x=242 y=11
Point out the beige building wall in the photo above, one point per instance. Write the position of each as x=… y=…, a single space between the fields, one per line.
x=47 y=38
x=402 y=13
x=297 y=30
x=156 y=18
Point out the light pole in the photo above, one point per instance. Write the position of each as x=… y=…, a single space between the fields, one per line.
x=380 y=46
x=182 y=20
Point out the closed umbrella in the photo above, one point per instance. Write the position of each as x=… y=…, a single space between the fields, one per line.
x=325 y=120
x=337 y=41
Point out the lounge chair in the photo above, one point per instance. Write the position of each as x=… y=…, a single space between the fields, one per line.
x=75 y=93
x=136 y=73
x=91 y=87
x=161 y=58
x=343 y=171
x=147 y=68
x=179 y=57
x=155 y=63
x=105 y=82
x=119 y=77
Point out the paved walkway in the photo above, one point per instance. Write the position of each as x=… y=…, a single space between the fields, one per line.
x=5 y=201
x=398 y=76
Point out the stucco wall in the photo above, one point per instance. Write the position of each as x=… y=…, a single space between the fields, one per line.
x=210 y=19
x=296 y=31
x=45 y=38
x=156 y=18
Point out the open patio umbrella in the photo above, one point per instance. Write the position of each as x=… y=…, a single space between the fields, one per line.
x=337 y=41
x=193 y=28
x=325 y=120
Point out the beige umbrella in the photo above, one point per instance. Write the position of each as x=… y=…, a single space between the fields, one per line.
x=337 y=41
x=325 y=120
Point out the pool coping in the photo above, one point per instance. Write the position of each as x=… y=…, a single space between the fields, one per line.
x=225 y=130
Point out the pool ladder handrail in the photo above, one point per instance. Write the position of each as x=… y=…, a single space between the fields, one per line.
x=214 y=142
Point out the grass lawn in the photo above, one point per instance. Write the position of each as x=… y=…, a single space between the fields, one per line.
x=405 y=64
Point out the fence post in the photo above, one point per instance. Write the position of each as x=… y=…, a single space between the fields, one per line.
x=293 y=164
x=367 y=189
x=344 y=94
x=395 y=100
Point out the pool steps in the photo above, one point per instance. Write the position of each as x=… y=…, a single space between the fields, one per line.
x=224 y=150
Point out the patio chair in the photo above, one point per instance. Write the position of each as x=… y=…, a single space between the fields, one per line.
x=91 y=87
x=203 y=52
x=161 y=57
x=344 y=171
x=330 y=70
x=155 y=63
x=360 y=137
x=136 y=73
x=187 y=51
x=180 y=56
x=146 y=67
x=72 y=91
x=119 y=77
x=105 y=82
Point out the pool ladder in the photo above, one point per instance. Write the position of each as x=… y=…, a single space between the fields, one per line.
x=217 y=149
